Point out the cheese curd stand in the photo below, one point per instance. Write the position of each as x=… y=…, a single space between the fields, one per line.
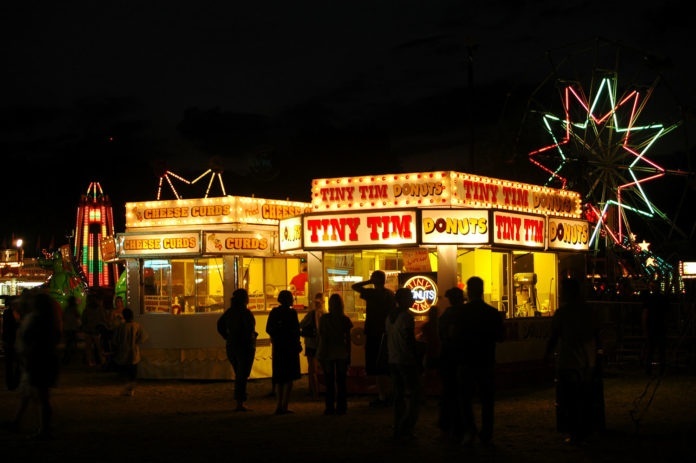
x=184 y=258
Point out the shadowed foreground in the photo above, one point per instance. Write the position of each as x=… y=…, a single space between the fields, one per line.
x=648 y=420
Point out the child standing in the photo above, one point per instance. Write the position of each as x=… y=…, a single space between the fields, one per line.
x=128 y=338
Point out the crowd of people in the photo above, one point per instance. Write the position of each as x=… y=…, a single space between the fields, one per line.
x=459 y=346
x=456 y=344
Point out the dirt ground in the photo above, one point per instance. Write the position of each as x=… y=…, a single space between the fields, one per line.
x=647 y=420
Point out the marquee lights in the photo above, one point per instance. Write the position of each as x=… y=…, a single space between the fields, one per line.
x=211 y=211
x=441 y=189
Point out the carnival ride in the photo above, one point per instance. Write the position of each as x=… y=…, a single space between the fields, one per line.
x=604 y=140
x=94 y=225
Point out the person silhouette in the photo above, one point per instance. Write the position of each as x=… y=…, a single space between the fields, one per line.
x=333 y=352
x=238 y=326
x=449 y=411
x=94 y=322
x=574 y=339
x=429 y=346
x=127 y=339
x=283 y=326
x=405 y=365
x=37 y=347
x=309 y=326
x=479 y=328
x=379 y=301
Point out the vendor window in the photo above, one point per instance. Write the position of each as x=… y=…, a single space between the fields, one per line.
x=343 y=269
x=518 y=283
x=533 y=284
x=183 y=286
x=265 y=277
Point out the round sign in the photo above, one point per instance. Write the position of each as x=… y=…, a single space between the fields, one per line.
x=424 y=291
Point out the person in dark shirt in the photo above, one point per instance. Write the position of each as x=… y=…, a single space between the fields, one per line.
x=238 y=326
x=127 y=339
x=575 y=340
x=379 y=300
x=405 y=365
x=283 y=326
x=333 y=351
x=477 y=331
x=449 y=414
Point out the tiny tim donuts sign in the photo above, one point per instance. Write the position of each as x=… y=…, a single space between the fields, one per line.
x=394 y=228
x=424 y=291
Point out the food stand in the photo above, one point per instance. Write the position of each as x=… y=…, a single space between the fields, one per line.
x=184 y=258
x=429 y=230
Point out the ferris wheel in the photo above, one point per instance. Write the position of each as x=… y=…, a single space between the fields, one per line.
x=609 y=126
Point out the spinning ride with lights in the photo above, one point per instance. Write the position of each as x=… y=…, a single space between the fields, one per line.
x=604 y=142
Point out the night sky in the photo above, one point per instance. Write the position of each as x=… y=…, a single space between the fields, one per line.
x=277 y=93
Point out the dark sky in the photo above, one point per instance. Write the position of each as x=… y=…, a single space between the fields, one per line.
x=277 y=93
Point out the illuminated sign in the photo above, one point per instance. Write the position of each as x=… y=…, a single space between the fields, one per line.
x=687 y=270
x=441 y=189
x=453 y=226
x=379 y=228
x=518 y=229
x=221 y=242
x=158 y=244
x=211 y=211
x=290 y=234
x=108 y=248
x=9 y=255
x=569 y=234
x=424 y=291
x=491 y=193
x=381 y=191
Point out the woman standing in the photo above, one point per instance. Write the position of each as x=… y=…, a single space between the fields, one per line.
x=334 y=354
x=283 y=326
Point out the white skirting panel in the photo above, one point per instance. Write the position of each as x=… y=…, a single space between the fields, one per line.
x=202 y=363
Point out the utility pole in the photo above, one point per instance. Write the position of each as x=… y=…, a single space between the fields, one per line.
x=470 y=47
